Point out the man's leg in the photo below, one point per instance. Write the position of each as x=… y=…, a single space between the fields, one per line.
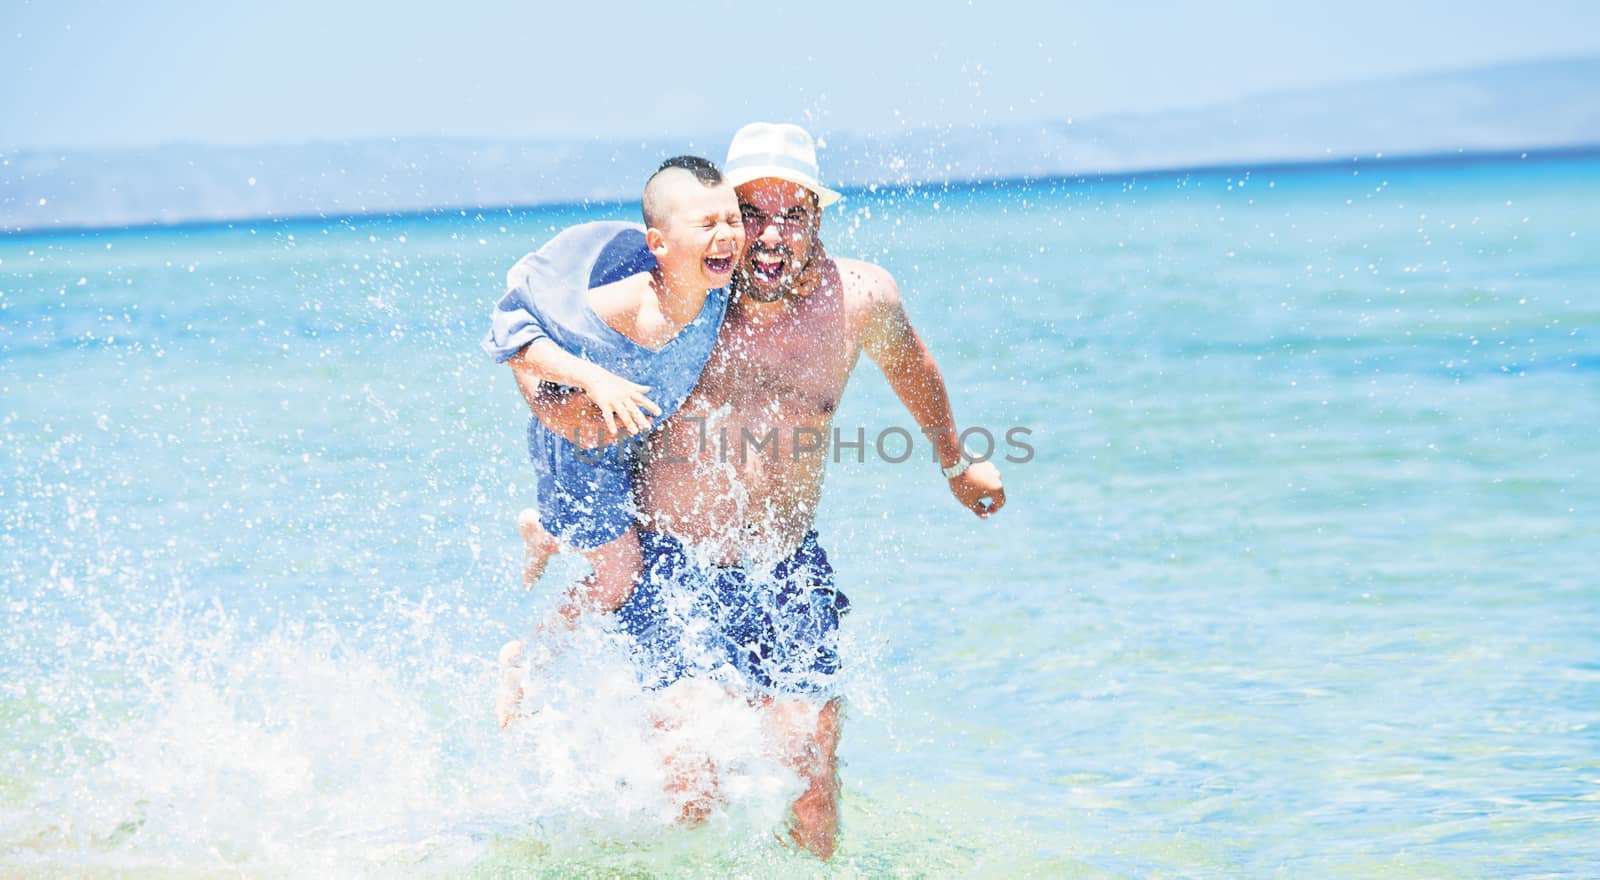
x=617 y=567
x=806 y=738
x=691 y=773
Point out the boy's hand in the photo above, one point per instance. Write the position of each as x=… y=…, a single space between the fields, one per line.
x=621 y=402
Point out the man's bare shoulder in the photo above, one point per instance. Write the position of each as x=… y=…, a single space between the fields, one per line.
x=861 y=275
x=866 y=285
x=870 y=297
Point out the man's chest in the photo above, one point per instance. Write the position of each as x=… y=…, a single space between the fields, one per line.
x=784 y=370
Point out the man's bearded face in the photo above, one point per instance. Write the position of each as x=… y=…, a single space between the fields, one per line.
x=780 y=224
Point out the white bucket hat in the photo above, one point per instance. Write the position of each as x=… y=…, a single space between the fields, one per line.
x=781 y=150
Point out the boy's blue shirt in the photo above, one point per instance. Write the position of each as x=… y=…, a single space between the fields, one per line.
x=586 y=499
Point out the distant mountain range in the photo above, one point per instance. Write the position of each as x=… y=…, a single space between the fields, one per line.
x=1528 y=105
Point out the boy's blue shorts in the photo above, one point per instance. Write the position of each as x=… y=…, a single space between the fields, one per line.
x=585 y=498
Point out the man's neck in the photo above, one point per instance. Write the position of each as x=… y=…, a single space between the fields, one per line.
x=755 y=311
x=751 y=312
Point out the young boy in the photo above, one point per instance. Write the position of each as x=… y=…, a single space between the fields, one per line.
x=590 y=311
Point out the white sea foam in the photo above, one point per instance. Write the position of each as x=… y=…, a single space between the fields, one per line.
x=299 y=751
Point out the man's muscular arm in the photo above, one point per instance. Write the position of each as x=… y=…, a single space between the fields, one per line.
x=908 y=365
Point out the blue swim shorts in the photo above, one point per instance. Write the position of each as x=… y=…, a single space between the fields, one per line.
x=775 y=630
x=585 y=498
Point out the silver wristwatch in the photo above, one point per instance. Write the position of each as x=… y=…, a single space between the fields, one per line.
x=957 y=469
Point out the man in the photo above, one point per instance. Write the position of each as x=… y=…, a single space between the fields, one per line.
x=726 y=524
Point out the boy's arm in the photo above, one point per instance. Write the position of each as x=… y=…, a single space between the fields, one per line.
x=908 y=365
x=519 y=336
x=567 y=412
x=617 y=399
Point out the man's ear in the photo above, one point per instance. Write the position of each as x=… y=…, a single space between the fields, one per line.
x=656 y=241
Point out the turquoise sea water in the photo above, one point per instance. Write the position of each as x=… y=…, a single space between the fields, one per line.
x=1300 y=581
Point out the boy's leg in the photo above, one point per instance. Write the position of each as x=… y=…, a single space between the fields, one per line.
x=508 y=696
x=616 y=569
x=538 y=546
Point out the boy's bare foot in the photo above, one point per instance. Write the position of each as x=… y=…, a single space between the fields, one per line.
x=538 y=546
x=508 y=696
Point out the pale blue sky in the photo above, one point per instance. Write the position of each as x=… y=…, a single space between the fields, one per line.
x=96 y=74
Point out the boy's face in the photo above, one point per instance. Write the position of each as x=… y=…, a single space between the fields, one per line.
x=702 y=237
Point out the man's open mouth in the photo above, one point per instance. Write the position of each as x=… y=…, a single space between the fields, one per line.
x=768 y=267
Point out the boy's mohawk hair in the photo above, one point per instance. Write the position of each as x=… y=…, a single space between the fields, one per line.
x=702 y=169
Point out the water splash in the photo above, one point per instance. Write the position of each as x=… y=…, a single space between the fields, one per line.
x=198 y=742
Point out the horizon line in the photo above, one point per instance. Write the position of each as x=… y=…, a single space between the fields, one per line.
x=1460 y=156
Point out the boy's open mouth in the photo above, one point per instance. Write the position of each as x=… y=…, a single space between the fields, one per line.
x=719 y=265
